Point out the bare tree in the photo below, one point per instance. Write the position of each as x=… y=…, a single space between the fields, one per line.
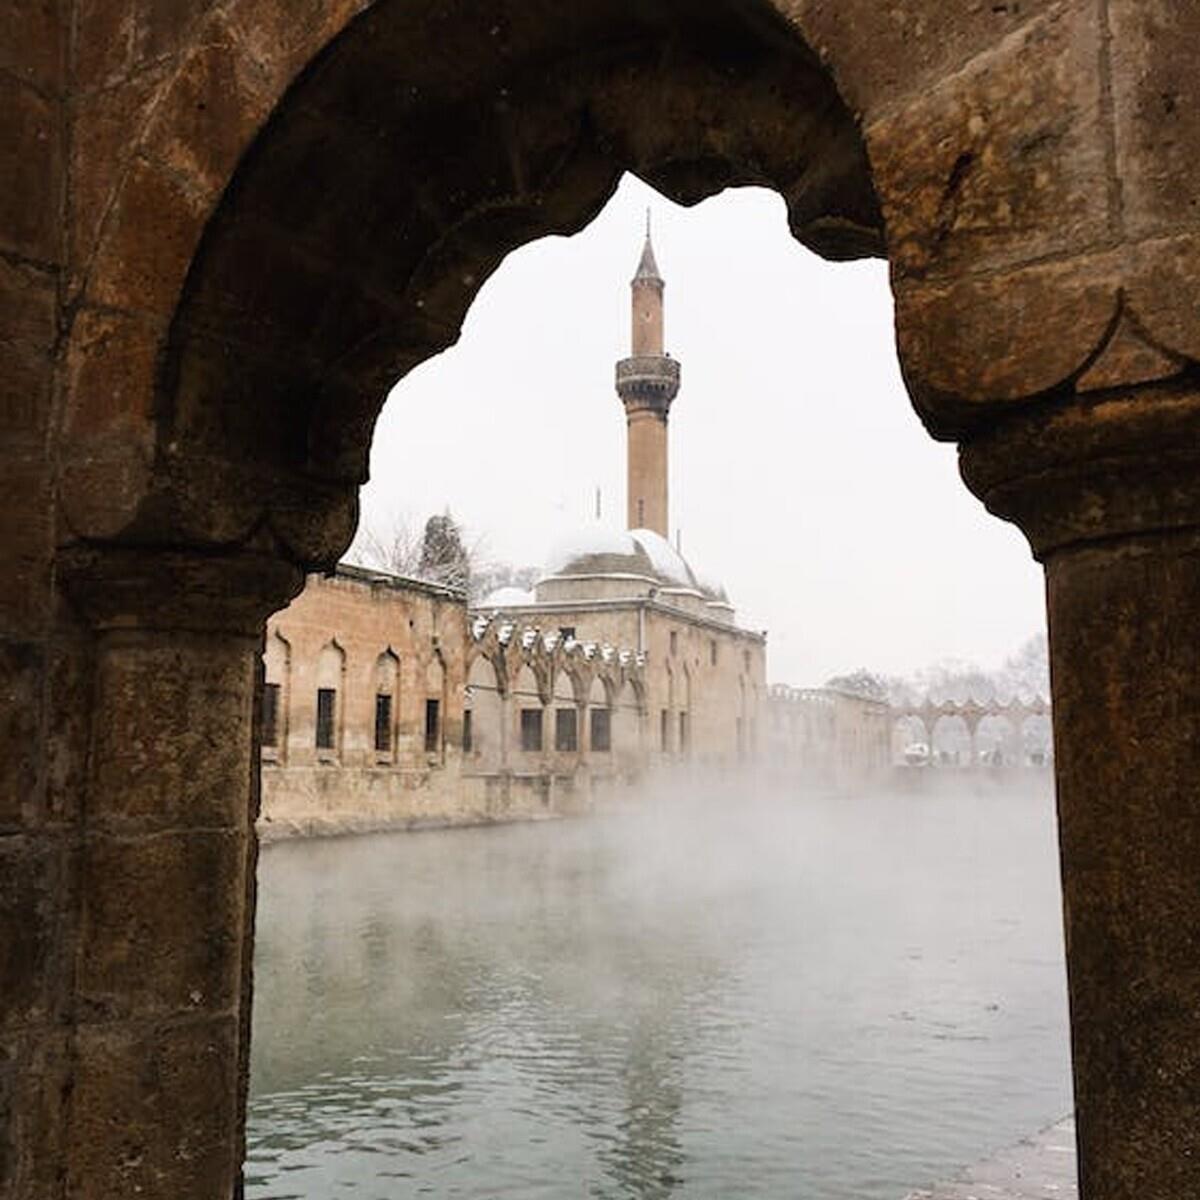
x=393 y=546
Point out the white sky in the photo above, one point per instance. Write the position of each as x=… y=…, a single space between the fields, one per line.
x=800 y=476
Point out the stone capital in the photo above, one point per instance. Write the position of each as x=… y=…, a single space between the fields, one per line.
x=1125 y=465
x=132 y=588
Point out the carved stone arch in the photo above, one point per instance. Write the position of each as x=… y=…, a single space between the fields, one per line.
x=490 y=650
x=638 y=687
x=293 y=309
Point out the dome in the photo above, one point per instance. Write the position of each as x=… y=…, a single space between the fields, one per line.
x=597 y=550
x=507 y=597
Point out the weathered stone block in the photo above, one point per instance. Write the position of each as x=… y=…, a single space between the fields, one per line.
x=27 y=335
x=1162 y=286
x=33 y=895
x=31 y=167
x=107 y=126
x=110 y=375
x=153 y=1112
x=1002 y=163
x=34 y=1081
x=210 y=111
x=882 y=53
x=172 y=735
x=1002 y=337
x=1156 y=99
x=26 y=544
x=116 y=39
x=152 y=234
x=22 y=685
x=162 y=923
x=34 y=46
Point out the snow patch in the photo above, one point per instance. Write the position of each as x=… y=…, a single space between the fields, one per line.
x=507 y=597
x=588 y=540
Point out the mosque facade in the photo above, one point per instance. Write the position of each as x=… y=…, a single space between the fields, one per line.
x=392 y=702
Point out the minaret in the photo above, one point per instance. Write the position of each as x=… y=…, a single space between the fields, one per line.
x=647 y=382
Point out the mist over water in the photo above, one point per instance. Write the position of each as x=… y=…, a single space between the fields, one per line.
x=712 y=994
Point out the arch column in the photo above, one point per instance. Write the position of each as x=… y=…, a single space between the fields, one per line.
x=157 y=1021
x=1108 y=493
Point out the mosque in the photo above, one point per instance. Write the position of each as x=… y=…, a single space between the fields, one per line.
x=389 y=702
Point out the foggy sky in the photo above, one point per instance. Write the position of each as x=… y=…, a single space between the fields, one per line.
x=800 y=477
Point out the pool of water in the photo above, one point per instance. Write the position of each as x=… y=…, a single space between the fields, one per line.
x=718 y=996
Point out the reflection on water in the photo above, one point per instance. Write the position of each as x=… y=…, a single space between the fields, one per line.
x=788 y=998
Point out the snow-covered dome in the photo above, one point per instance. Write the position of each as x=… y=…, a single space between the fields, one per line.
x=597 y=550
x=506 y=597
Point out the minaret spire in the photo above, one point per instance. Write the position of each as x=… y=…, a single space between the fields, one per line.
x=647 y=383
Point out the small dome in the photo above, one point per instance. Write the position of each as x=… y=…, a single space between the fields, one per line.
x=598 y=550
x=506 y=597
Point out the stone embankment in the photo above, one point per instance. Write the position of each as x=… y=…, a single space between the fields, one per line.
x=1041 y=1166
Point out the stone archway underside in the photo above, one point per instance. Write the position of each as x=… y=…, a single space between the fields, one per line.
x=232 y=225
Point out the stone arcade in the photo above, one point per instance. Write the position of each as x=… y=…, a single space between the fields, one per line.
x=386 y=705
x=228 y=228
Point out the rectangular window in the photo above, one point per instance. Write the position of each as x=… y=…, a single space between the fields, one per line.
x=601 y=730
x=683 y=733
x=567 y=632
x=531 y=729
x=664 y=730
x=566 y=729
x=467 y=732
x=674 y=643
x=433 y=726
x=326 y=704
x=712 y=651
x=746 y=659
x=383 y=723
x=270 y=715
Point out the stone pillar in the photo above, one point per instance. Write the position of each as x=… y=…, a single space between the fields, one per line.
x=158 y=1026
x=1109 y=495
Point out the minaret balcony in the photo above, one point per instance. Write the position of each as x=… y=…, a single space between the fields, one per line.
x=649 y=378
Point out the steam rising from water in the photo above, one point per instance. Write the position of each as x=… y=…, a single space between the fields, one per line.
x=711 y=993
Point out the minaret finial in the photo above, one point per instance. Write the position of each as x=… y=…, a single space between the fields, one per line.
x=647 y=268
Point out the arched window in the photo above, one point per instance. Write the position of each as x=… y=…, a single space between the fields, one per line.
x=435 y=704
x=599 y=718
x=331 y=671
x=387 y=704
x=483 y=716
x=530 y=711
x=277 y=671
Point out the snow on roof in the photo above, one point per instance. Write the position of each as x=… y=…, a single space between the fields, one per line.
x=667 y=562
x=507 y=597
x=586 y=541
x=600 y=549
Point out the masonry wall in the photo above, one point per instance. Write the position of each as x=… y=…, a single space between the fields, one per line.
x=712 y=675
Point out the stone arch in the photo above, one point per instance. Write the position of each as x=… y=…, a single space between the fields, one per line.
x=629 y=709
x=528 y=698
x=997 y=741
x=666 y=717
x=329 y=723
x=1037 y=739
x=600 y=715
x=313 y=300
x=950 y=740
x=386 y=681
x=277 y=677
x=485 y=704
x=908 y=730
x=1024 y=277
x=683 y=720
x=568 y=693
x=435 y=703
